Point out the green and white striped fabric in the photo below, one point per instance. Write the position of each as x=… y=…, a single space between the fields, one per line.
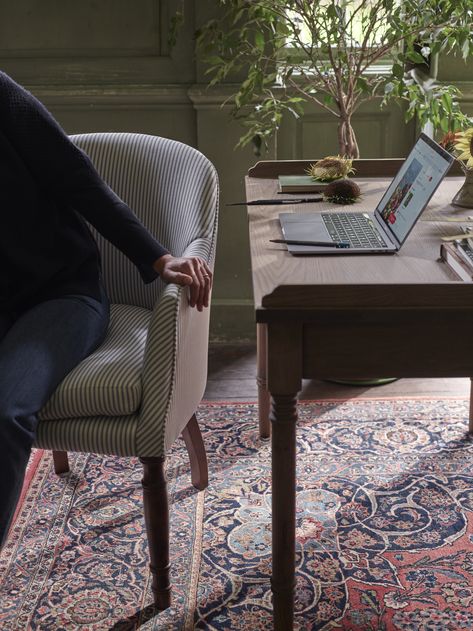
x=109 y=381
x=135 y=394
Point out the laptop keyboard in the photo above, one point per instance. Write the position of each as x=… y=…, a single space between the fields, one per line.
x=356 y=228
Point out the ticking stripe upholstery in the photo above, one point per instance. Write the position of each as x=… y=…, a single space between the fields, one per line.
x=185 y=351
x=93 y=434
x=108 y=382
x=136 y=393
x=169 y=185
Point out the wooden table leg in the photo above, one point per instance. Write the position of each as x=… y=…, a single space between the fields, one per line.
x=261 y=380
x=284 y=367
x=283 y=448
x=470 y=423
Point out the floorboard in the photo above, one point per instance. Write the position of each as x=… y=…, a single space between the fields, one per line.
x=232 y=376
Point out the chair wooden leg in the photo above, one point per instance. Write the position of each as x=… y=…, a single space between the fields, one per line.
x=198 y=458
x=61 y=463
x=156 y=511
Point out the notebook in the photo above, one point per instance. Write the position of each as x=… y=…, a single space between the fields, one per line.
x=387 y=228
x=300 y=184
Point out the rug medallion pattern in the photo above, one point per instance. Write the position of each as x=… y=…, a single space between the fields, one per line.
x=384 y=528
x=384 y=519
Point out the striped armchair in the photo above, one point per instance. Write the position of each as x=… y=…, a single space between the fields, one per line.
x=140 y=389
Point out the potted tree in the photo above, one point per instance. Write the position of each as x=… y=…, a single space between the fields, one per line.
x=337 y=54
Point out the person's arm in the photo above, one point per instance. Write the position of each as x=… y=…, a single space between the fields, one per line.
x=68 y=175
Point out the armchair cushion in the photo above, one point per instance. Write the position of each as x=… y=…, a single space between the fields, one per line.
x=108 y=382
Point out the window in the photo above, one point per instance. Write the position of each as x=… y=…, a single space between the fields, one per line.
x=346 y=26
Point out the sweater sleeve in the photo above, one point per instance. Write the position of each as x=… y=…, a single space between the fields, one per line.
x=68 y=176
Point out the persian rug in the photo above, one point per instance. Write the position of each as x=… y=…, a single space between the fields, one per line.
x=384 y=528
x=77 y=557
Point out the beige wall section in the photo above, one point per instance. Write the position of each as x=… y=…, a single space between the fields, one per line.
x=105 y=66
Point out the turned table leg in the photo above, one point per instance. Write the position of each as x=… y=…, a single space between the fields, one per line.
x=470 y=420
x=284 y=367
x=261 y=380
x=283 y=448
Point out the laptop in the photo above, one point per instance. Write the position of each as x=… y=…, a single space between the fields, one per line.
x=387 y=228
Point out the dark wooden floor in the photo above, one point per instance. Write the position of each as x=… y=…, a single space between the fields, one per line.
x=232 y=371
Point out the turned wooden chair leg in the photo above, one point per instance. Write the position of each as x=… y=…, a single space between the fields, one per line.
x=156 y=511
x=61 y=463
x=198 y=458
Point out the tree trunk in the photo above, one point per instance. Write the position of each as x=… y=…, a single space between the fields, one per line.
x=347 y=139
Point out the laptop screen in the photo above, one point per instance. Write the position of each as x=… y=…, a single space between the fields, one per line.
x=410 y=191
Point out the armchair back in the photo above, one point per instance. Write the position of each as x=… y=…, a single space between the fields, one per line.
x=166 y=183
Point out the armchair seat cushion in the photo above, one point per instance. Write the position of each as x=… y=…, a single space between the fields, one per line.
x=107 y=382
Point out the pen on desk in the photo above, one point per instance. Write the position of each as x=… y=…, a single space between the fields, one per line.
x=270 y=202
x=327 y=244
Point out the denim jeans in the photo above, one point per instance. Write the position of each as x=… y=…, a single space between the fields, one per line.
x=38 y=348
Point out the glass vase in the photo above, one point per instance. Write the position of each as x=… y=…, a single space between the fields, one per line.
x=464 y=197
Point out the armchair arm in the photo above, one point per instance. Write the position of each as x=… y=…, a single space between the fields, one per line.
x=203 y=247
x=175 y=365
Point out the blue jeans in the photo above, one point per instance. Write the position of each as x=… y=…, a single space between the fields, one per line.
x=38 y=348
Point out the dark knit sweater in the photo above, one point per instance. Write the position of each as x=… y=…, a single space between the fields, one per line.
x=47 y=187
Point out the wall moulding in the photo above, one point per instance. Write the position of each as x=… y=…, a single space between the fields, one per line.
x=102 y=71
x=118 y=96
x=466 y=89
x=204 y=97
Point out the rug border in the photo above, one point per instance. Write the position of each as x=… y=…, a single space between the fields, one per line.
x=31 y=469
x=337 y=400
x=196 y=552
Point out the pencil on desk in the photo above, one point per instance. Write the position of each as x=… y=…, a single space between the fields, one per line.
x=275 y=202
x=327 y=244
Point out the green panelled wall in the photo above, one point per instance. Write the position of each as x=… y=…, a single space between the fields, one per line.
x=105 y=65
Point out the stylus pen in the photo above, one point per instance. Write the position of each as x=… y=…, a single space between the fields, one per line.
x=270 y=202
x=326 y=244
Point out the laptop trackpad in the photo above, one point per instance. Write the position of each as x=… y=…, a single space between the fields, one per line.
x=305 y=228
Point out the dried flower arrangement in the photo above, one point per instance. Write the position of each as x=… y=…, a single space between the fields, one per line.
x=331 y=168
x=335 y=170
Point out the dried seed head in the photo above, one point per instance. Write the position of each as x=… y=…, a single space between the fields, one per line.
x=330 y=168
x=342 y=192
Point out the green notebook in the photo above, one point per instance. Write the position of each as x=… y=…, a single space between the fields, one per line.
x=300 y=184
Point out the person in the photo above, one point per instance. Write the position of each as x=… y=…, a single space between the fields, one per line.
x=53 y=307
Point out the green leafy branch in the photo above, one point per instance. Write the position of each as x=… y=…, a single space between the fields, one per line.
x=285 y=53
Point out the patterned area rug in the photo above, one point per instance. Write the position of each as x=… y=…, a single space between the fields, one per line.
x=77 y=555
x=384 y=528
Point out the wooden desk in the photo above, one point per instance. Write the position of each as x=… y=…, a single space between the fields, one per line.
x=345 y=317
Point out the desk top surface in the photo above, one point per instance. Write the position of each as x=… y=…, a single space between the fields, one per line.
x=414 y=275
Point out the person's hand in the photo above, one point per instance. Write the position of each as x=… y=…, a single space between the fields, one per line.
x=192 y=271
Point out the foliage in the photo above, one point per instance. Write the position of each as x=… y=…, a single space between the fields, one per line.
x=288 y=52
